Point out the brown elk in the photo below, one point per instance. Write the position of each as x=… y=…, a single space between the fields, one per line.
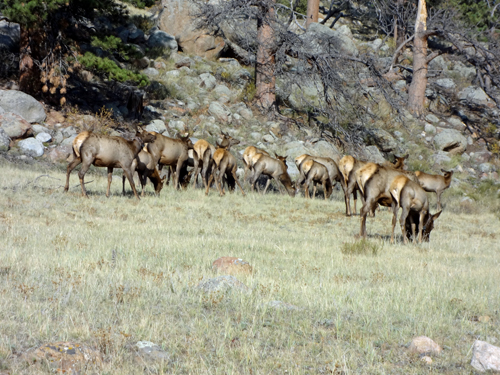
x=374 y=182
x=250 y=156
x=412 y=199
x=172 y=152
x=106 y=151
x=142 y=161
x=275 y=168
x=435 y=183
x=203 y=153
x=316 y=173
x=329 y=163
x=224 y=166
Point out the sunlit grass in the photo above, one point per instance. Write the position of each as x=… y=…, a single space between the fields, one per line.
x=108 y=272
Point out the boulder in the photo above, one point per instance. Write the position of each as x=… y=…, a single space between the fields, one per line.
x=320 y=38
x=60 y=153
x=295 y=148
x=161 y=39
x=474 y=95
x=241 y=77
x=327 y=149
x=220 y=112
x=467 y=72
x=373 y=154
x=39 y=129
x=177 y=125
x=429 y=129
x=63 y=357
x=382 y=139
x=208 y=81
x=479 y=157
x=31 y=147
x=485 y=357
x=222 y=284
x=4 y=141
x=441 y=157
x=231 y=266
x=43 y=137
x=432 y=118
x=176 y=18
x=184 y=61
x=157 y=126
x=10 y=36
x=222 y=90
x=151 y=72
x=23 y=105
x=450 y=140
x=445 y=83
x=14 y=125
x=424 y=345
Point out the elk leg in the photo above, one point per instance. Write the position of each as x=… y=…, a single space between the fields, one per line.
x=123 y=183
x=209 y=182
x=402 y=223
x=267 y=185
x=355 y=197
x=438 y=193
x=130 y=178
x=85 y=167
x=195 y=168
x=314 y=190
x=363 y=213
x=110 y=177
x=395 y=209
x=233 y=172
x=421 y=225
x=72 y=165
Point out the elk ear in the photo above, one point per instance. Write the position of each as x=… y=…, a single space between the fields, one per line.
x=436 y=215
x=406 y=156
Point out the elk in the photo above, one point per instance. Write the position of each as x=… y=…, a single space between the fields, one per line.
x=329 y=163
x=172 y=152
x=224 y=166
x=106 y=151
x=374 y=182
x=275 y=168
x=203 y=153
x=142 y=161
x=412 y=199
x=316 y=173
x=435 y=183
x=250 y=156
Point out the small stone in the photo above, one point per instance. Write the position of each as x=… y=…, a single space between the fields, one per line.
x=43 y=137
x=424 y=345
x=232 y=265
x=430 y=129
x=485 y=356
x=432 y=118
x=268 y=138
x=426 y=359
x=150 y=351
x=486 y=167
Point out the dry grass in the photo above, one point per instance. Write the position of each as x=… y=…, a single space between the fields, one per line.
x=109 y=272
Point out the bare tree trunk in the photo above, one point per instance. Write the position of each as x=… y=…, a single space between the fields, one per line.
x=420 y=61
x=399 y=31
x=265 y=79
x=29 y=73
x=312 y=12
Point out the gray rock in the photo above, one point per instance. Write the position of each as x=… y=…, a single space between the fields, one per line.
x=60 y=153
x=184 y=61
x=400 y=84
x=241 y=77
x=68 y=141
x=58 y=137
x=382 y=139
x=246 y=113
x=14 y=125
x=23 y=105
x=162 y=40
x=222 y=90
x=327 y=149
x=39 y=129
x=150 y=351
x=255 y=136
x=220 y=112
x=320 y=38
x=43 y=137
x=485 y=357
x=430 y=129
x=268 y=138
x=474 y=95
x=151 y=72
x=464 y=71
x=4 y=141
x=486 y=167
x=441 y=157
x=68 y=132
x=222 y=284
x=10 y=36
x=373 y=154
x=479 y=157
x=431 y=118
x=450 y=140
x=31 y=147
x=456 y=122
x=177 y=125
x=136 y=35
x=208 y=81
x=230 y=61
x=212 y=128
x=439 y=64
x=172 y=74
x=157 y=126
x=446 y=83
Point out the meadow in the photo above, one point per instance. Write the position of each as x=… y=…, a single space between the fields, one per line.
x=110 y=272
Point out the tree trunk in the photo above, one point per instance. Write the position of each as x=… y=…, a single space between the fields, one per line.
x=419 y=79
x=29 y=73
x=265 y=79
x=399 y=30
x=312 y=12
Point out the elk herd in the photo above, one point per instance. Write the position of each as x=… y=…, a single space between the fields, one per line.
x=387 y=184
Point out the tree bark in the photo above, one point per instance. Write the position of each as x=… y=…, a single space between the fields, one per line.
x=312 y=12
x=29 y=73
x=419 y=80
x=265 y=79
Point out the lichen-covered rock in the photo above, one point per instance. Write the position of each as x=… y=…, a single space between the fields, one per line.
x=382 y=139
x=23 y=105
x=4 y=141
x=220 y=112
x=485 y=357
x=424 y=345
x=31 y=147
x=450 y=140
x=474 y=95
x=14 y=125
x=207 y=81
x=321 y=38
x=327 y=149
x=222 y=284
x=232 y=265
x=160 y=39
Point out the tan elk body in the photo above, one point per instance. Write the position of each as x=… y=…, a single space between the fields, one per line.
x=276 y=169
x=435 y=183
x=316 y=173
x=106 y=151
x=251 y=155
x=143 y=160
x=329 y=163
x=203 y=153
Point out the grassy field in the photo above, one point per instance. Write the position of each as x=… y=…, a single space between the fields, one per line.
x=110 y=272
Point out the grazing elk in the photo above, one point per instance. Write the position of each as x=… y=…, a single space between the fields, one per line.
x=275 y=168
x=374 y=182
x=250 y=156
x=224 y=166
x=348 y=166
x=106 y=151
x=435 y=183
x=412 y=199
x=203 y=153
x=143 y=159
x=316 y=173
x=172 y=152
x=329 y=163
